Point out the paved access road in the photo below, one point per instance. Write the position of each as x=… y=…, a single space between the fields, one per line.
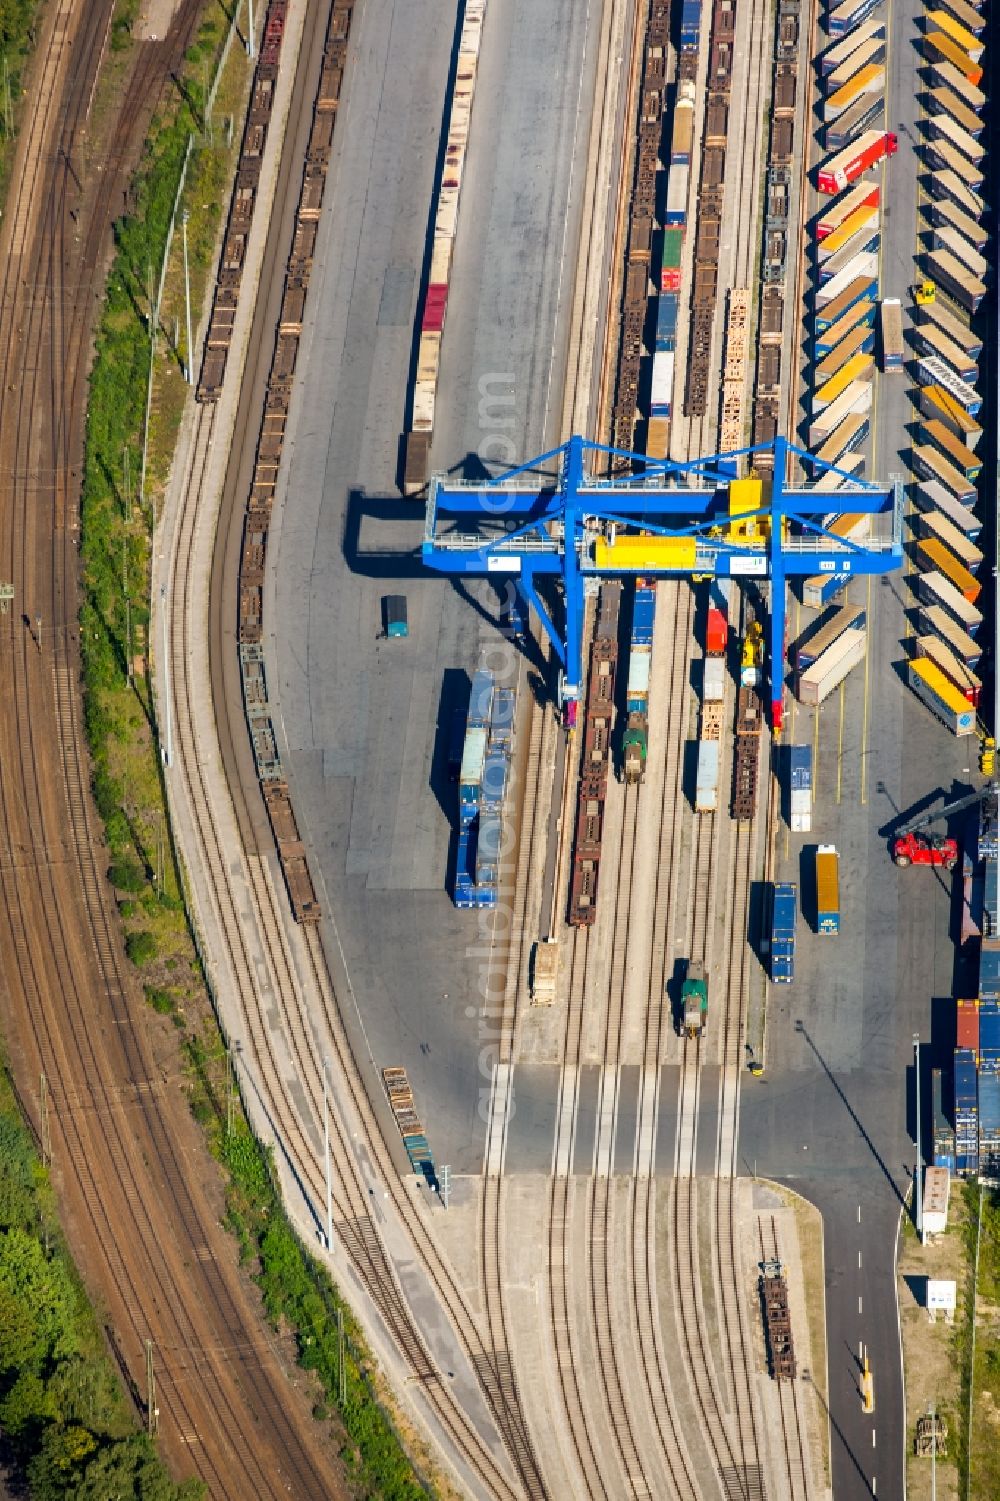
x=834 y=1115
x=366 y=721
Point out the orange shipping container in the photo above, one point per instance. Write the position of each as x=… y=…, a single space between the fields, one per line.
x=940 y=557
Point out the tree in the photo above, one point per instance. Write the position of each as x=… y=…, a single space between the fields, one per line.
x=26 y=1409
x=37 y=1304
x=59 y=1464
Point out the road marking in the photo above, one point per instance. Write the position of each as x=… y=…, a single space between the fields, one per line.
x=496 y=1133
x=568 y=1082
x=859 y=1261
x=859 y=1214
x=646 y=1143
x=815 y=752
x=859 y=1302
x=607 y=1119
x=873 y=1438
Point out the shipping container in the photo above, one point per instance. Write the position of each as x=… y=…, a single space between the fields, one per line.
x=947 y=184
x=934 y=589
x=666 y=322
x=835 y=174
x=860 y=367
x=944 y=21
x=941 y=696
x=819 y=638
x=862 y=220
x=784 y=912
x=989 y=977
x=939 y=47
x=944 y=156
x=823 y=589
x=494 y=784
x=827 y=890
x=892 y=334
x=657 y=437
x=502 y=719
x=833 y=214
x=857 y=398
x=662 y=387
x=829 y=671
x=706 y=799
x=643 y=614
x=942 y=1130
x=800 y=788
x=861 y=315
x=851 y=433
x=851 y=466
x=954 y=326
x=682 y=135
x=955 y=670
x=637 y=689
x=932 y=554
x=671 y=251
x=937 y=403
x=944 y=101
x=966 y=14
x=933 y=371
x=929 y=463
x=967 y=1025
x=929 y=339
x=937 y=619
x=677 y=195
x=865 y=114
x=861 y=273
x=850 y=44
x=946 y=73
x=937 y=1187
x=713 y=688
x=933 y=430
x=868 y=80
x=464 y=889
x=470 y=777
x=716 y=632
x=965 y=1091
x=843 y=18
x=934 y=496
x=870 y=53
x=936 y=524
x=489 y=845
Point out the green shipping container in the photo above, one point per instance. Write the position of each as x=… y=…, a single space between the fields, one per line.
x=670 y=261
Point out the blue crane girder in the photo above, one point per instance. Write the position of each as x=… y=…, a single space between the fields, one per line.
x=543 y=517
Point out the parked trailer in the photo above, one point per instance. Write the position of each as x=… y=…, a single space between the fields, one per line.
x=941 y=696
x=936 y=431
x=851 y=44
x=800 y=788
x=944 y=101
x=934 y=402
x=946 y=74
x=934 y=555
x=832 y=215
x=860 y=367
x=784 y=911
x=892 y=334
x=861 y=315
x=870 y=53
x=843 y=18
x=847 y=617
x=861 y=275
x=934 y=496
x=929 y=339
x=866 y=217
x=934 y=589
x=944 y=21
x=867 y=113
x=840 y=299
x=944 y=156
x=932 y=371
x=829 y=671
x=851 y=466
x=862 y=242
x=948 y=184
x=954 y=326
x=847 y=165
x=966 y=14
x=939 y=47
x=955 y=670
x=946 y=238
x=930 y=464
x=936 y=524
x=857 y=398
x=827 y=890
x=944 y=213
x=851 y=433
x=868 y=80
x=937 y=619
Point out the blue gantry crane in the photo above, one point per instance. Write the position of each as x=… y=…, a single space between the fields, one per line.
x=553 y=517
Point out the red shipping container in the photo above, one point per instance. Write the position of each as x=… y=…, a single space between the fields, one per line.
x=670 y=279
x=434 y=307
x=967 y=1029
x=716 y=633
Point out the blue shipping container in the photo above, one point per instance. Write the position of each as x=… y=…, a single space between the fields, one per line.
x=800 y=767
x=471 y=775
x=502 y=718
x=989 y=1105
x=965 y=1079
x=465 y=869
x=481 y=698
x=494 y=783
x=989 y=966
x=991 y=898
x=643 y=615
x=666 y=322
x=784 y=910
x=865 y=289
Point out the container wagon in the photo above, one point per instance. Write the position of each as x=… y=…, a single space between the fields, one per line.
x=941 y=696
x=835 y=174
x=749 y=717
x=892 y=334
x=827 y=890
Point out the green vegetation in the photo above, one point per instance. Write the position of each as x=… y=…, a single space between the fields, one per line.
x=17 y=35
x=115 y=631
x=980 y=1377
x=62 y=1411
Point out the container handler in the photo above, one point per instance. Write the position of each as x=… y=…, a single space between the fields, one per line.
x=913 y=846
x=694 y=999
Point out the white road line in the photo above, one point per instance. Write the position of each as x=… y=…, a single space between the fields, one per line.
x=859 y=1304
x=859 y=1261
x=646 y=1136
x=496 y=1131
x=607 y=1120
x=565 y=1118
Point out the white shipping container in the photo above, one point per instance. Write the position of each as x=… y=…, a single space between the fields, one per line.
x=830 y=669
x=800 y=811
x=947 y=238
x=857 y=398
x=423 y=406
x=706 y=797
x=714 y=681
x=677 y=193
x=663 y=382
x=638 y=672
x=865 y=264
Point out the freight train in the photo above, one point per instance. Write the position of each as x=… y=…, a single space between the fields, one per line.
x=635 y=741
x=596 y=754
x=483 y=782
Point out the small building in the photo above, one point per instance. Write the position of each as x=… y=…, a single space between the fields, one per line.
x=937 y=1189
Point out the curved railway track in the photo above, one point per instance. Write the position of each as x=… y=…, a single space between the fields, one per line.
x=120 y=1150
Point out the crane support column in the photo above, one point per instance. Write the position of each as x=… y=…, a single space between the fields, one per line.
x=776 y=669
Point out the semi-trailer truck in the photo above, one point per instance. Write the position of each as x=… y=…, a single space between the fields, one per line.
x=827 y=890
x=847 y=165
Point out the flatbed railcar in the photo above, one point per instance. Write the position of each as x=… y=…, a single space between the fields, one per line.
x=598 y=722
x=746 y=760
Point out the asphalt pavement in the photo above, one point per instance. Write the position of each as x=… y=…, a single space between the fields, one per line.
x=365 y=721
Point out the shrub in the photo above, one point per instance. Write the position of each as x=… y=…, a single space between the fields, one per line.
x=140 y=947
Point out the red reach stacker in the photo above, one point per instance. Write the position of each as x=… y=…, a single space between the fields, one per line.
x=912 y=846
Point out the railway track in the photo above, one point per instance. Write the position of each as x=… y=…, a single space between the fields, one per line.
x=793 y=1440
x=123 y=1142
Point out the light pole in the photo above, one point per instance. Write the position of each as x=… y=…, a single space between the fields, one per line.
x=919 y=1167
x=168 y=748
x=187 y=299
x=326 y=1159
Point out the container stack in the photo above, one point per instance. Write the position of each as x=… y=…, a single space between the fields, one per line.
x=944 y=1134
x=636 y=737
x=783 y=916
x=800 y=788
x=966 y=1112
x=713 y=709
x=482 y=788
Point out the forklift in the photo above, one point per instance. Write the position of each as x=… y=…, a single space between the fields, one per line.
x=912 y=846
